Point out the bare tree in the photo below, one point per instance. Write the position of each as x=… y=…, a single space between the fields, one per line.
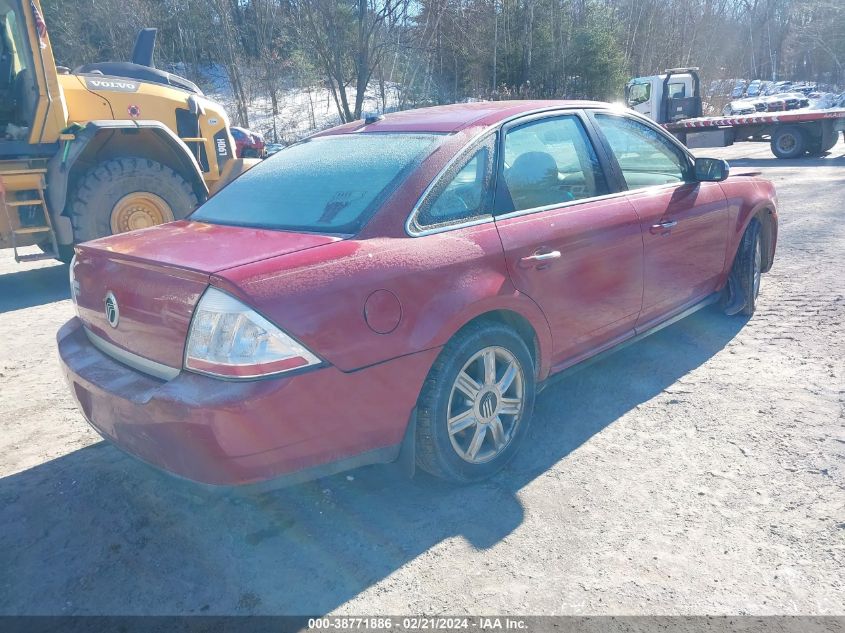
x=350 y=40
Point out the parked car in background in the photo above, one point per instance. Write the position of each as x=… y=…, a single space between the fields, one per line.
x=741 y=107
x=794 y=100
x=774 y=103
x=778 y=87
x=738 y=89
x=754 y=88
x=249 y=144
x=407 y=284
x=803 y=88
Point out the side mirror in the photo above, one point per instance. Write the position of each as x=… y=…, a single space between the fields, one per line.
x=711 y=169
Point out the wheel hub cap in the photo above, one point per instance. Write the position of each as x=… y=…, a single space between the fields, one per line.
x=139 y=210
x=488 y=406
x=485 y=405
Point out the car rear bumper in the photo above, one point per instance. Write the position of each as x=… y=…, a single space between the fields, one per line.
x=234 y=433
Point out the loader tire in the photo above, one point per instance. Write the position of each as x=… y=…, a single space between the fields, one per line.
x=65 y=253
x=124 y=194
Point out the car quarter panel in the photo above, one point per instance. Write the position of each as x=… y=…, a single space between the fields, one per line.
x=439 y=281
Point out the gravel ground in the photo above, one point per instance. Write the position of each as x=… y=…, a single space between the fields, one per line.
x=698 y=471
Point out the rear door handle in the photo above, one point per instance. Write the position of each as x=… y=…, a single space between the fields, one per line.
x=664 y=226
x=539 y=260
x=541 y=257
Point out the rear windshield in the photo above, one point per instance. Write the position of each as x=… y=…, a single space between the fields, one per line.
x=329 y=184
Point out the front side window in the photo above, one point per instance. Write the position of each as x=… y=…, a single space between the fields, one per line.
x=13 y=40
x=646 y=158
x=329 y=184
x=549 y=162
x=638 y=93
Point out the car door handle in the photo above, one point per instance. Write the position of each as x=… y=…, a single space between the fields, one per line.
x=539 y=258
x=664 y=226
x=668 y=224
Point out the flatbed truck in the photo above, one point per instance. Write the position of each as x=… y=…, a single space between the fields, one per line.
x=673 y=99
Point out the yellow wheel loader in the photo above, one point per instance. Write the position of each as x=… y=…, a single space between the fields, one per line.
x=105 y=148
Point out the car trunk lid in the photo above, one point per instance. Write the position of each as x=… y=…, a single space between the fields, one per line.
x=155 y=277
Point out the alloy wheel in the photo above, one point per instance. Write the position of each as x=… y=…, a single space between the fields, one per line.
x=486 y=404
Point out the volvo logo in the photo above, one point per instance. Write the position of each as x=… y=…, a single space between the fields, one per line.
x=112 y=309
x=116 y=85
x=488 y=405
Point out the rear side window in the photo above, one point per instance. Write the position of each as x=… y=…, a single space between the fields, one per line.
x=462 y=193
x=330 y=184
x=677 y=91
x=645 y=156
x=549 y=162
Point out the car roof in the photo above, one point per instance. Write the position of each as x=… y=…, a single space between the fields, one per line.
x=457 y=116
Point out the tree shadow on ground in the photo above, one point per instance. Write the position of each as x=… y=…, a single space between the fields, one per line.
x=96 y=532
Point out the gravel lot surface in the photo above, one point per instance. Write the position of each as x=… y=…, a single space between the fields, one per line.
x=701 y=470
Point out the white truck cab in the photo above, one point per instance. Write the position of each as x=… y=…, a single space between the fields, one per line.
x=674 y=95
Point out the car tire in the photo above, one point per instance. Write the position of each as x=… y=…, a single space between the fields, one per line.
x=498 y=410
x=746 y=272
x=108 y=188
x=789 y=142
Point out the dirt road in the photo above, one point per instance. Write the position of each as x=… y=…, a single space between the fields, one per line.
x=699 y=471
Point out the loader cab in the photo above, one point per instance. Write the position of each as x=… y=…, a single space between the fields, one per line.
x=672 y=96
x=32 y=110
x=18 y=89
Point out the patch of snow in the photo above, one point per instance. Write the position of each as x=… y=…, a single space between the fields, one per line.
x=303 y=110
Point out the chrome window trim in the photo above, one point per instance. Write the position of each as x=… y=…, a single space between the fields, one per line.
x=539 y=114
x=562 y=205
x=145 y=365
x=571 y=203
x=493 y=129
x=442 y=228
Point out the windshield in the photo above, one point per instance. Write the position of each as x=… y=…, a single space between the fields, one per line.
x=329 y=184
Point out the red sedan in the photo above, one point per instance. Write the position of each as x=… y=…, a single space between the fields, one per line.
x=403 y=282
